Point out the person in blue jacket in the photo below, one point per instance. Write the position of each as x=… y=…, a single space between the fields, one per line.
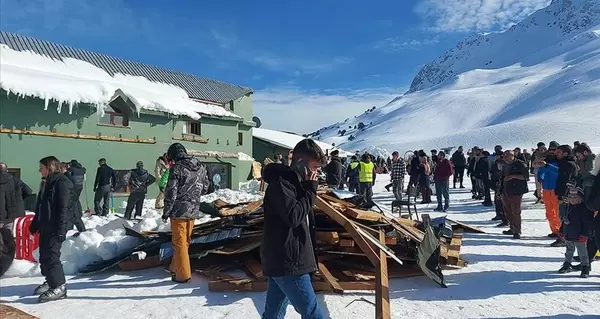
x=547 y=175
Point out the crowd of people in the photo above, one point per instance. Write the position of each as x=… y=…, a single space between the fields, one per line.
x=567 y=183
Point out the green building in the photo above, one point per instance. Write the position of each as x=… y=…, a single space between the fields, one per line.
x=214 y=120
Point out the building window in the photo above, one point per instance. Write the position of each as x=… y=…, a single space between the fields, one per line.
x=240 y=138
x=231 y=106
x=219 y=174
x=194 y=128
x=120 y=186
x=15 y=172
x=114 y=117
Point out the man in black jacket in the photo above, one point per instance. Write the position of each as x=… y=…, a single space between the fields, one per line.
x=482 y=173
x=288 y=246
x=76 y=174
x=460 y=163
x=138 y=180
x=334 y=171
x=567 y=169
x=22 y=192
x=104 y=184
x=8 y=200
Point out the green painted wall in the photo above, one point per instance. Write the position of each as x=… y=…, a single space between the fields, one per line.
x=262 y=149
x=25 y=151
x=243 y=107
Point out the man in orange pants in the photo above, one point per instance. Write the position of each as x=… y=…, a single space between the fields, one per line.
x=188 y=181
x=548 y=174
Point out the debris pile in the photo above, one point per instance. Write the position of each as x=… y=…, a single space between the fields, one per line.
x=357 y=249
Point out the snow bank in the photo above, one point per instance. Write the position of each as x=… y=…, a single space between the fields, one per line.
x=105 y=236
x=70 y=81
x=251 y=187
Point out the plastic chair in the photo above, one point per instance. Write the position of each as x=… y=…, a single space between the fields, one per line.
x=25 y=243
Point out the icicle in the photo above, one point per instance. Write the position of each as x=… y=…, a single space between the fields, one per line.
x=46 y=102
x=59 y=107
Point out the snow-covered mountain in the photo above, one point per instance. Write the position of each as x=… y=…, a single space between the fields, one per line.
x=537 y=81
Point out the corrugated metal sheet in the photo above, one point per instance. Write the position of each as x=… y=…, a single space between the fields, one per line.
x=196 y=87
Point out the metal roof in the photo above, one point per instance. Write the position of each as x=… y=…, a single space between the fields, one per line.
x=196 y=87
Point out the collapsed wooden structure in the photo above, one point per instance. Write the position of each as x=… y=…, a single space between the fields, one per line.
x=357 y=249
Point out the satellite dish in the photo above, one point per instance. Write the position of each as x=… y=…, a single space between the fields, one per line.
x=256 y=120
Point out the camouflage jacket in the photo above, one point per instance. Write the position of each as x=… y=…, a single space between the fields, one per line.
x=188 y=181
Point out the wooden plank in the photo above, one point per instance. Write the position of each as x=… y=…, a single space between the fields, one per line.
x=256 y=170
x=328 y=237
x=255 y=268
x=241 y=210
x=346 y=242
x=380 y=244
x=391 y=241
x=382 y=285
x=261 y=286
x=349 y=227
x=330 y=279
x=363 y=214
x=336 y=200
x=466 y=227
x=191 y=138
x=78 y=136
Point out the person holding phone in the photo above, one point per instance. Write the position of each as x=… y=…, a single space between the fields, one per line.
x=288 y=252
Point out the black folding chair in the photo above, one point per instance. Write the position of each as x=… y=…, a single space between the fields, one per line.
x=409 y=202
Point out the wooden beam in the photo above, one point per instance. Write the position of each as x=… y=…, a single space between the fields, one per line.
x=363 y=214
x=336 y=200
x=98 y=137
x=349 y=227
x=330 y=279
x=191 y=138
x=328 y=237
x=382 y=285
x=254 y=268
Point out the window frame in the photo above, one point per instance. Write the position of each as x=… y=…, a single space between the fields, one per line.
x=189 y=128
x=111 y=118
x=240 y=139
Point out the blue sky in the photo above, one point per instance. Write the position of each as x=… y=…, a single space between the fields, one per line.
x=334 y=58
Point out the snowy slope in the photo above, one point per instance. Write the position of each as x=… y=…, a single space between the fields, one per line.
x=504 y=279
x=537 y=81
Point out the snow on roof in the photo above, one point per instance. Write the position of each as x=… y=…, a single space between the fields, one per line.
x=288 y=140
x=70 y=81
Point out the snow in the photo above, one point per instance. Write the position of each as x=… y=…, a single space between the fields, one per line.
x=543 y=84
x=105 y=236
x=505 y=278
x=288 y=140
x=70 y=81
x=245 y=157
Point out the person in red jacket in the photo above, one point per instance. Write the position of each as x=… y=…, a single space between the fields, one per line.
x=441 y=177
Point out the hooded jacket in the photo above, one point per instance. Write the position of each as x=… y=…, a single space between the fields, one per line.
x=138 y=180
x=482 y=168
x=8 y=199
x=76 y=174
x=580 y=222
x=567 y=169
x=188 y=181
x=53 y=214
x=352 y=172
x=586 y=176
x=334 y=171
x=288 y=243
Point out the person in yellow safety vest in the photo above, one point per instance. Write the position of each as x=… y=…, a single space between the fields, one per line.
x=366 y=177
x=352 y=175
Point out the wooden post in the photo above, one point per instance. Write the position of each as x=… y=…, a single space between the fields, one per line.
x=382 y=287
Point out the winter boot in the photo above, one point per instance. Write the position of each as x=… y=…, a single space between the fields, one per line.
x=41 y=289
x=387 y=188
x=566 y=267
x=508 y=232
x=461 y=186
x=558 y=243
x=552 y=235
x=438 y=209
x=516 y=236
x=585 y=272
x=579 y=267
x=502 y=224
x=488 y=204
x=57 y=293
x=174 y=279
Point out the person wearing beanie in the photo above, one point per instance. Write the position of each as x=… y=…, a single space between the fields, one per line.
x=187 y=182
x=352 y=174
x=567 y=169
x=576 y=232
x=137 y=181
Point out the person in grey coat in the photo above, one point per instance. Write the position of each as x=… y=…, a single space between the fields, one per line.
x=138 y=180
